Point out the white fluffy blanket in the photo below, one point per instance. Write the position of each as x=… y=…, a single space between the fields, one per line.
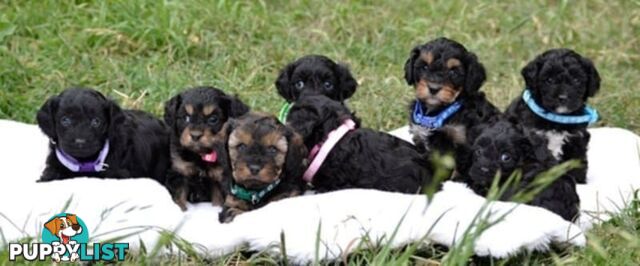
x=140 y=208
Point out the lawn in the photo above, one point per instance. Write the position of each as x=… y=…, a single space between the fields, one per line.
x=143 y=52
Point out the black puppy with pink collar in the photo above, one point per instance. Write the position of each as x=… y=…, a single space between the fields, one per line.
x=343 y=155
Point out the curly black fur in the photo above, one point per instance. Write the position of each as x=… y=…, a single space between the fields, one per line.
x=316 y=74
x=197 y=119
x=561 y=81
x=79 y=121
x=442 y=71
x=262 y=151
x=363 y=158
x=506 y=147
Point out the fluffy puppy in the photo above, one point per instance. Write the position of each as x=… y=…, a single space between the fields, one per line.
x=503 y=148
x=559 y=81
x=197 y=119
x=362 y=158
x=447 y=79
x=316 y=74
x=267 y=161
x=92 y=136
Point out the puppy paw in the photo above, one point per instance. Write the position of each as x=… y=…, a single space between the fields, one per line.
x=227 y=214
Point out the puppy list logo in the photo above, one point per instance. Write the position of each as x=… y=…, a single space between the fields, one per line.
x=65 y=238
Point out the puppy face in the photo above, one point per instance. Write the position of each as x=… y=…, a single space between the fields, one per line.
x=261 y=149
x=67 y=226
x=441 y=71
x=315 y=74
x=197 y=117
x=79 y=121
x=501 y=147
x=561 y=80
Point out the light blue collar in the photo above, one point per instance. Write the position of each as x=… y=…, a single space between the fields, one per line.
x=434 y=121
x=590 y=115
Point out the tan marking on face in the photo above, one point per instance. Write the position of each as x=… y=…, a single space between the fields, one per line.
x=237 y=137
x=189 y=108
x=427 y=57
x=207 y=110
x=453 y=62
x=422 y=91
x=448 y=94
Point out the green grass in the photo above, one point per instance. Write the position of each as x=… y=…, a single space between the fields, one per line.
x=157 y=48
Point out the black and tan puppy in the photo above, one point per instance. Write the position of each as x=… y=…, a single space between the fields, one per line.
x=362 y=158
x=316 y=74
x=558 y=84
x=197 y=118
x=503 y=148
x=92 y=136
x=267 y=160
x=447 y=80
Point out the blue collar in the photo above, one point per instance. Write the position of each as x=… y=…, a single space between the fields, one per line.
x=436 y=121
x=590 y=115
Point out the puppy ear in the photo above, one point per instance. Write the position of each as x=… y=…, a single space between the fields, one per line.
x=46 y=117
x=530 y=73
x=117 y=117
x=53 y=225
x=296 y=159
x=233 y=106
x=409 y=76
x=593 y=85
x=348 y=84
x=475 y=74
x=283 y=81
x=73 y=218
x=171 y=110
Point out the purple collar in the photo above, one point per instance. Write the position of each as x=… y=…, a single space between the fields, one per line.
x=84 y=167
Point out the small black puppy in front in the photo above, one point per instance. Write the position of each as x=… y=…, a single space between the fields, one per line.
x=198 y=118
x=92 y=136
x=505 y=147
x=267 y=160
x=361 y=158
x=447 y=79
x=558 y=84
x=316 y=74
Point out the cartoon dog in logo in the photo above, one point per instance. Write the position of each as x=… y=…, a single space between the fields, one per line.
x=64 y=228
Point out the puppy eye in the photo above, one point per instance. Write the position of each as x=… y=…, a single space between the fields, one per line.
x=212 y=120
x=425 y=67
x=453 y=72
x=96 y=122
x=505 y=157
x=477 y=153
x=241 y=147
x=187 y=118
x=299 y=85
x=328 y=85
x=550 y=80
x=272 y=150
x=65 y=121
x=577 y=80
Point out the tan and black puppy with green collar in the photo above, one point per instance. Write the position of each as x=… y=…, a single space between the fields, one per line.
x=267 y=161
x=198 y=118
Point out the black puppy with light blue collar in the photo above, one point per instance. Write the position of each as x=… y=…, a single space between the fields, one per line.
x=553 y=104
x=447 y=80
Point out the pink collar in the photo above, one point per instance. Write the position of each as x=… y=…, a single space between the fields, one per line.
x=320 y=151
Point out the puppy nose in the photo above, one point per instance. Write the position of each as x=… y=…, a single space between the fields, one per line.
x=195 y=135
x=80 y=141
x=75 y=227
x=434 y=87
x=254 y=169
x=563 y=97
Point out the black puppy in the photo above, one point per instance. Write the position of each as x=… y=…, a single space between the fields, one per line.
x=316 y=74
x=197 y=118
x=362 y=158
x=505 y=147
x=267 y=160
x=92 y=136
x=558 y=84
x=447 y=79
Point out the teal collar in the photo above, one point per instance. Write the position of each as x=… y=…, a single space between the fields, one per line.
x=253 y=196
x=590 y=115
